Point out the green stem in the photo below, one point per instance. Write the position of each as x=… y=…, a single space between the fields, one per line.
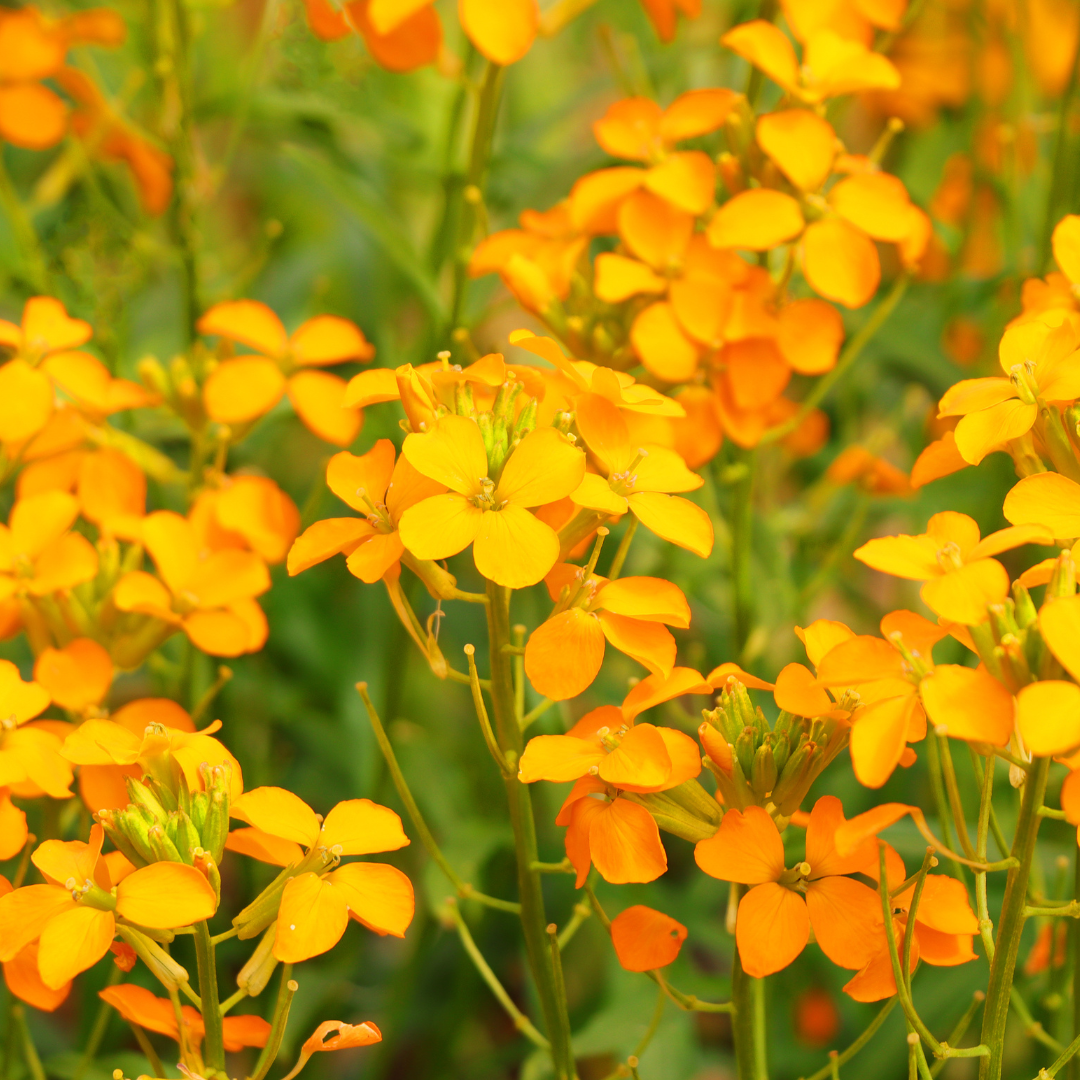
x=463 y=888
x=581 y=913
x=742 y=539
x=937 y=788
x=97 y=1032
x=1011 y=922
x=960 y=1030
x=208 y=993
x=277 y=1025
x=952 y=789
x=624 y=548
x=472 y=216
x=650 y=1031
x=846 y=1055
x=748 y=1023
x=848 y=357
x=30 y=1054
x=147 y=1047
x=533 y=921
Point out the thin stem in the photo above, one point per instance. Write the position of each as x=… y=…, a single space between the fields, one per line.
x=521 y=1021
x=960 y=1030
x=952 y=789
x=533 y=920
x=463 y=888
x=995 y=827
x=905 y=967
x=1033 y=1029
x=848 y=357
x=654 y=1024
x=986 y=926
x=846 y=1055
x=30 y=1054
x=519 y=673
x=536 y=713
x=1074 y=933
x=742 y=539
x=748 y=1022
x=147 y=1047
x=481 y=715
x=1011 y=922
x=564 y=867
x=937 y=788
x=581 y=913
x=208 y=992
x=232 y=1000
x=623 y=550
x=224 y=674
x=560 y=987
x=97 y=1032
x=277 y=1024
x=1067 y=1056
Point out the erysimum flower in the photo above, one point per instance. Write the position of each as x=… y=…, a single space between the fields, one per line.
x=77 y=677
x=563 y=655
x=243 y=388
x=1042 y=369
x=247 y=512
x=639 y=479
x=316 y=906
x=960 y=574
x=646 y=939
x=344 y=1037
x=137 y=1005
x=896 y=680
x=776 y=913
x=382 y=491
x=608 y=755
x=74 y=916
x=511 y=546
x=208 y=594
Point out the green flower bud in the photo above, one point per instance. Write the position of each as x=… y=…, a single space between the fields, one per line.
x=763 y=777
x=255 y=974
x=162 y=845
x=164 y=968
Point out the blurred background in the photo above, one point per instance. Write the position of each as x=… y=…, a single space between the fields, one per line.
x=318 y=182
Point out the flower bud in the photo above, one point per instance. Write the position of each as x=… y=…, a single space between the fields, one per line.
x=262 y=911
x=799 y=774
x=255 y=974
x=202 y=862
x=744 y=750
x=162 y=845
x=1063 y=580
x=142 y=797
x=716 y=746
x=215 y=830
x=182 y=832
x=138 y=856
x=673 y=818
x=1026 y=614
x=691 y=796
x=763 y=776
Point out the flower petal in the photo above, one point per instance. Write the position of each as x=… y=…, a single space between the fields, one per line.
x=440 y=526
x=646 y=939
x=312 y=918
x=840 y=262
x=756 y=220
x=1046 y=499
x=625 y=844
x=319 y=400
x=242 y=389
x=746 y=848
x=847 y=920
x=772 y=928
x=563 y=655
x=165 y=895
x=513 y=548
x=1059 y=623
x=360 y=827
x=73 y=941
x=378 y=896
x=674 y=519
x=969 y=702
x=544 y=468
x=278 y=812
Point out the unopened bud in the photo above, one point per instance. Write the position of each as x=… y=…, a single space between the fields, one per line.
x=162 y=966
x=255 y=974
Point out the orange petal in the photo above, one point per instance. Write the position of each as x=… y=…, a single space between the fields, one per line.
x=242 y=389
x=875 y=203
x=940 y=458
x=312 y=918
x=878 y=738
x=361 y=827
x=653 y=599
x=240 y=1031
x=75 y=676
x=73 y=941
x=847 y=920
x=756 y=220
x=639 y=763
x=249 y=322
x=825 y=820
x=558 y=758
x=840 y=262
x=963 y=595
x=653 y=690
x=318 y=398
x=696 y=112
x=278 y=812
x=747 y=849
x=649 y=643
x=756 y=372
x=772 y=928
x=31 y=115
x=503 y=30
x=24 y=981
x=811 y=333
x=801 y=143
x=798 y=692
x=686 y=180
x=618 y=278
x=379 y=896
x=564 y=654
x=165 y=895
x=410 y=45
x=630 y=129
x=821 y=637
x=661 y=344
x=1046 y=499
x=1059 y=622
x=13 y=830
x=26 y=399
x=646 y=939
x=328 y=339
x=264 y=846
x=625 y=844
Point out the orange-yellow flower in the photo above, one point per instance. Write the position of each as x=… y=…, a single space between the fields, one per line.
x=210 y=595
x=776 y=913
x=30 y=761
x=77 y=677
x=243 y=388
x=382 y=491
x=563 y=655
x=1042 y=368
x=511 y=546
x=960 y=575
x=316 y=908
x=639 y=479
x=74 y=915
x=249 y=512
x=646 y=939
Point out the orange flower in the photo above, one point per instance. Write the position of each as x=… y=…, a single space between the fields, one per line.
x=32 y=48
x=246 y=512
x=316 y=906
x=646 y=939
x=1042 y=368
x=13 y=830
x=639 y=479
x=138 y=1005
x=44 y=362
x=210 y=595
x=563 y=655
x=776 y=913
x=415 y=41
x=73 y=916
x=76 y=677
x=850 y=19
x=875 y=475
x=511 y=546
x=382 y=491
x=24 y=981
x=30 y=761
x=960 y=576
x=243 y=388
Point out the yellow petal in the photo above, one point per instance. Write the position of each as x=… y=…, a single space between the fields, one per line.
x=40 y=520
x=1048 y=716
x=374 y=556
x=686 y=180
x=1066 y=241
x=278 y=812
x=649 y=598
x=324 y=539
x=963 y=595
x=564 y=654
x=26 y=401
x=1007 y=539
x=452 y=453
x=379 y=896
x=840 y=262
x=618 y=278
x=594 y=492
x=372 y=388
x=876 y=203
x=798 y=692
x=1046 y=499
x=24 y=913
x=640 y=762
x=441 y=526
x=558 y=758
x=1059 y=623
x=676 y=520
x=319 y=400
x=503 y=30
x=766 y=47
x=801 y=143
x=969 y=703
x=513 y=548
x=661 y=344
x=102 y=742
x=756 y=220
x=72 y=942
x=811 y=333
x=312 y=918
x=165 y=895
x=19 y=700
x=248 y=321
x=264 y=847
x=911 y=557
x=544 y=468
x=361 y=827
x=328 y=339
x=990 y=429
x=878 y=738
x=970 y=395
x=242 y=389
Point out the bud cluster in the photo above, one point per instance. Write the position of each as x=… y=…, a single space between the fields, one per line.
x=772 y=767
